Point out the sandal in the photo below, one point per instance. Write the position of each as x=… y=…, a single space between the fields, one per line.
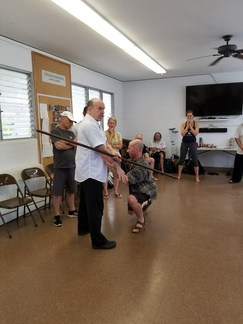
x=118 y=195
x=106 y=196
x=139 y=227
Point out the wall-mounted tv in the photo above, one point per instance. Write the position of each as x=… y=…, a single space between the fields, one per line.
x=211 y=100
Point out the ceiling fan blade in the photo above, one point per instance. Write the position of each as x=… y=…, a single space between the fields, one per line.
x=216 y=61
x=195 y=58
x=239 y=56
x=240 y=50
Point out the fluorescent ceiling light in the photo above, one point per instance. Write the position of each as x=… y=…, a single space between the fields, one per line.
x=84 y=13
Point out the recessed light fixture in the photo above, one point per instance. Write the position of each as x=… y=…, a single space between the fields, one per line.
x=84 y=13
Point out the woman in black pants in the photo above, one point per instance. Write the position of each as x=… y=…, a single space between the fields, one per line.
x=189 y=131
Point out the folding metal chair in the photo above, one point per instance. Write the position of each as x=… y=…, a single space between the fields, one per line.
x=15 y=200
x=37 y=185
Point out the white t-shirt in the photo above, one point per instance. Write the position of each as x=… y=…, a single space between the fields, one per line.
x=239 y=135
x=159 y=145
x=89 y=163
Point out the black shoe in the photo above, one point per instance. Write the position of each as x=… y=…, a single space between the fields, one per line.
x=82 y=233
x=105 y=246
x=73 y=213
x=57 y=221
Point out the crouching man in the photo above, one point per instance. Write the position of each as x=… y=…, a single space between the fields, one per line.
x=142 y=188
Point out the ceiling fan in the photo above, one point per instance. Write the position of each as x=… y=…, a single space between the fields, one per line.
x=224 y=51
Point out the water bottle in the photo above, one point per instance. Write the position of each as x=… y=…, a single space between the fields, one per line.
x=200 y=142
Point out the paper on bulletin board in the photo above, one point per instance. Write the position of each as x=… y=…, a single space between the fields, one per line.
x=45 y=128
x=46 y=143
x=43 y=111
x=47 y=149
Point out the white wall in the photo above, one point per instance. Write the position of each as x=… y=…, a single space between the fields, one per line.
x=144 y=106
x=140 y=107
x=17 y=154
x=158 y=105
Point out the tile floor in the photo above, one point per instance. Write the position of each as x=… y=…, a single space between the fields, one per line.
x=185 y=268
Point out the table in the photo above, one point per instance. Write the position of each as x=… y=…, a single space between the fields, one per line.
x=228 y=150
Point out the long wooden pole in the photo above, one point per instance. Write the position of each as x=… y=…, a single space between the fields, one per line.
x=103 y=152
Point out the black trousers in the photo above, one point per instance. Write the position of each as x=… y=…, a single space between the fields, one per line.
x=192 y=147
x=238 y=168
x=91 y=210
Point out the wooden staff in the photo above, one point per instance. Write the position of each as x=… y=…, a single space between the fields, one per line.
x=103 y=152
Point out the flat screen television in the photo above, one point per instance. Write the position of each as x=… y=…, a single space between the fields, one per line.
x=214 y=100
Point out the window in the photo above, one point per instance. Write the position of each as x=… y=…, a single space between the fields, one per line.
x=16 y=111
x=81 y=95
x=108 y=101
x=79 y=98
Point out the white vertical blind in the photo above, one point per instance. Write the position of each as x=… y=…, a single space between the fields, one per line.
x=94 y=94
x=107 y=99
x=79 y=99
x=17 y=117
x=81 y=95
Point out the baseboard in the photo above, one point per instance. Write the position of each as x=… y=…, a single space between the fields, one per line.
x=217 y=169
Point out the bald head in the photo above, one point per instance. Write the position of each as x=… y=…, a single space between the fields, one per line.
x=137 y=143
x=96 y=109
x=135 y=149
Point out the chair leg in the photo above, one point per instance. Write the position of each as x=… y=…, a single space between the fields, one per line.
x=38 y=210
x=62 y=209
x=42 y=219
x=32 y=215
x=5 y=225
x=49 y=202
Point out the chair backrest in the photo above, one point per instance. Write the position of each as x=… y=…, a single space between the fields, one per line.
x=7 y=179
x=50 y=170
x=34 y=177
x=31 y=173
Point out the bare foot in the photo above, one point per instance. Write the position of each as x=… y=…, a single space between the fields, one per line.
x=197 y=180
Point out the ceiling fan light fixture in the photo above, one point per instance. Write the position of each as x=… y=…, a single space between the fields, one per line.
x=228 y=50
x=88 y=16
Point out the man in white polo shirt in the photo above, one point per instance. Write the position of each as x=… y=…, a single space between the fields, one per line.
x=91 y=171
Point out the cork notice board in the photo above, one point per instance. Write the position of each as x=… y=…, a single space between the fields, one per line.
x=52 y=89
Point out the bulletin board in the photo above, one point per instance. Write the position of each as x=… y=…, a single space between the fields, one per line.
x=52 y=91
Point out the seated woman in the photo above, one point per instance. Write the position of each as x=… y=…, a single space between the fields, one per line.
x=158 y=149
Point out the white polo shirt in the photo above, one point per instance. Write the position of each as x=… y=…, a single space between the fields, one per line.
x=89 y=163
